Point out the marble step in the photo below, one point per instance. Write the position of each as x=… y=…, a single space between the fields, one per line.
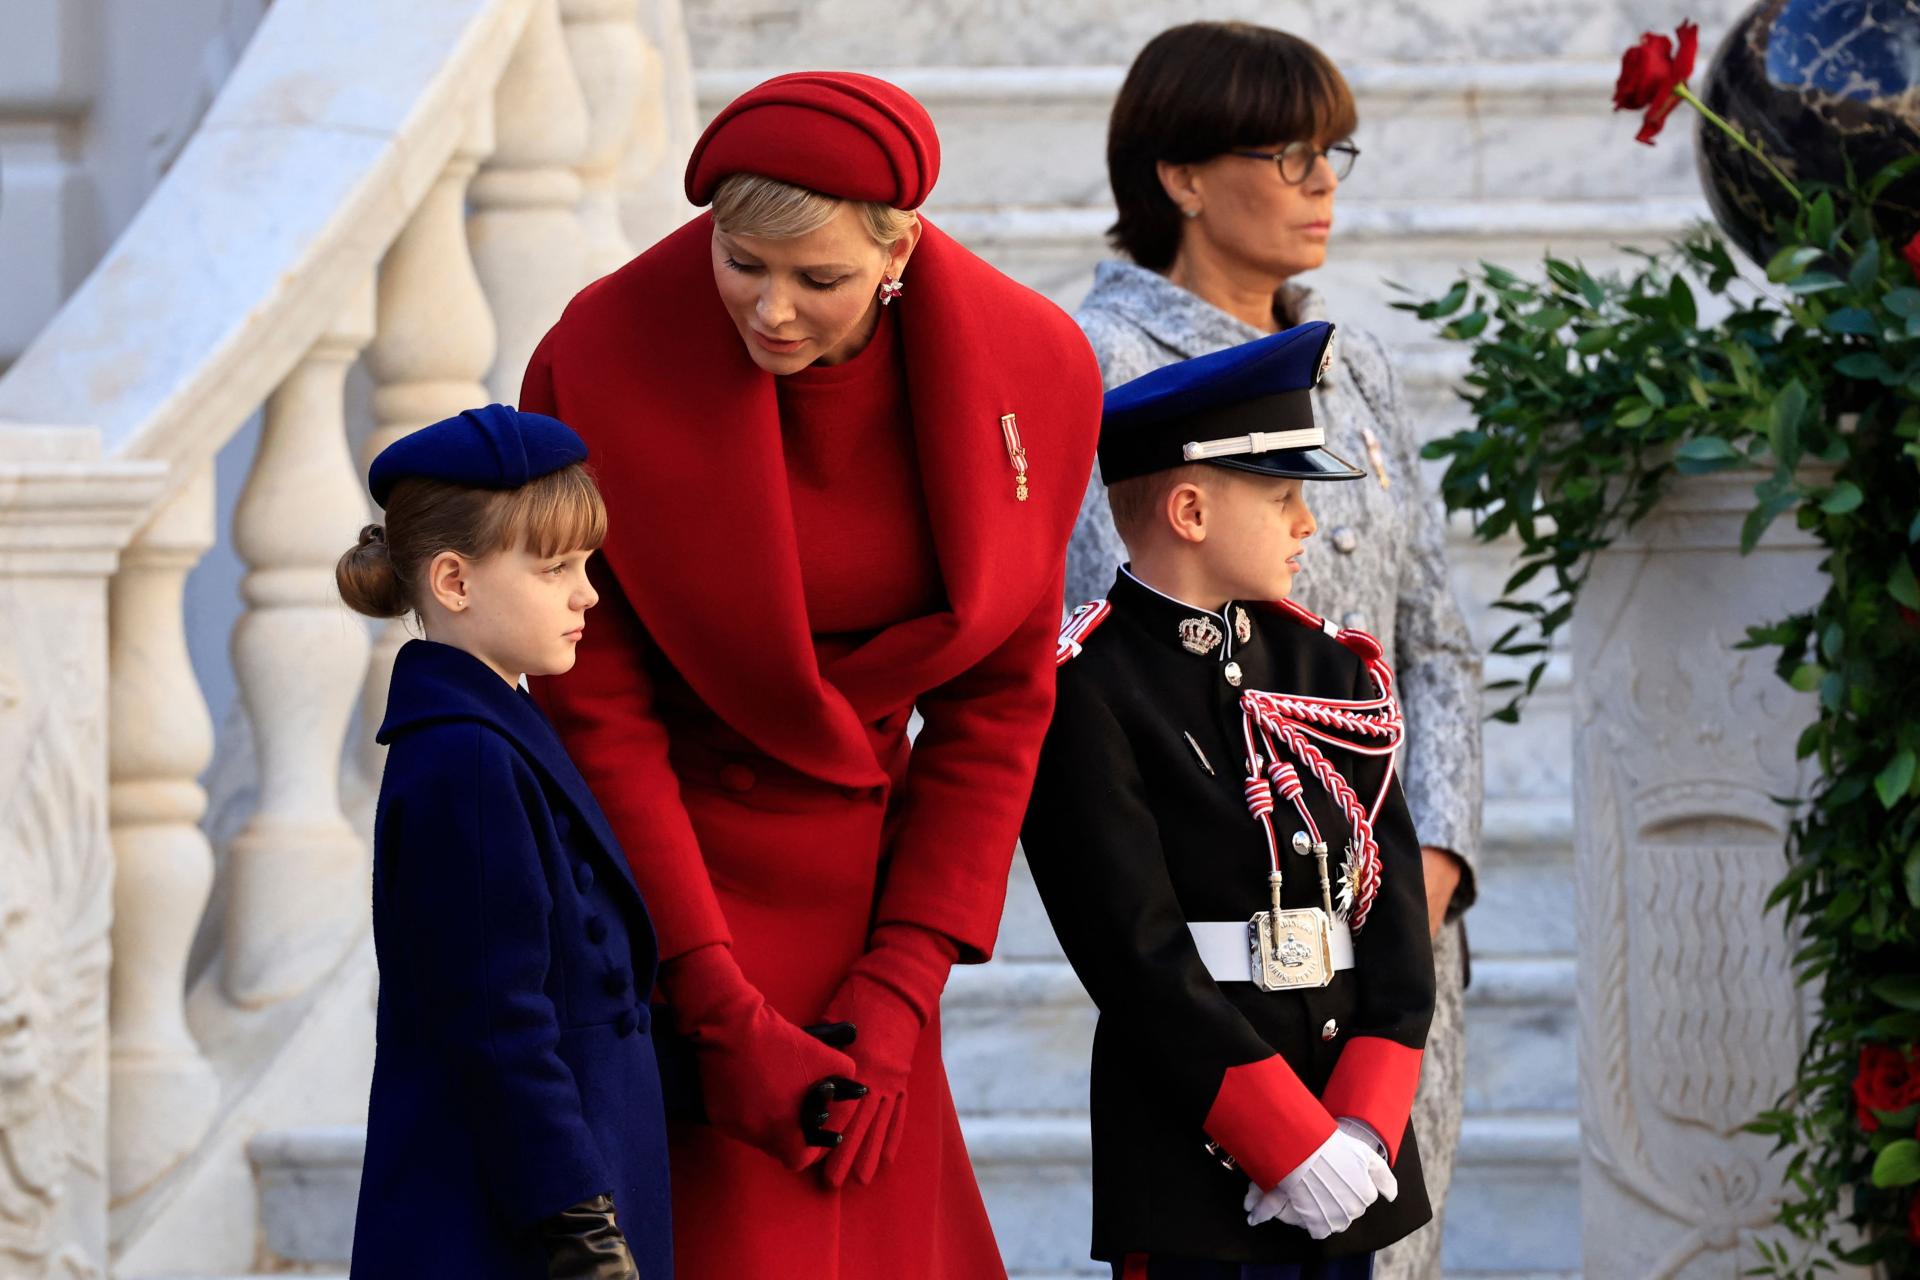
x=1514 y=1207
x=1018 y=1037
x=1033 y=1173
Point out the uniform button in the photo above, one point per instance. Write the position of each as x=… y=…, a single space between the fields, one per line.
x=627 y=1023
x=582 y=876
x=736 y=777
x=1344 y=540
x=596 y=929
x=1354 y=620
x=1329 y=1031
x=1233 y=674
x=615 y=982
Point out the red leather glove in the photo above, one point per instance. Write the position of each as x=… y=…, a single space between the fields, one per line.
x=889 y=996
x=755 y=1066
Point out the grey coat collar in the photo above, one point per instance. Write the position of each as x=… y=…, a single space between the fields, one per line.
x=1185 y=322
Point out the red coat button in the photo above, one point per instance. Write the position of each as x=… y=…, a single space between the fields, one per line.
x=736 y=777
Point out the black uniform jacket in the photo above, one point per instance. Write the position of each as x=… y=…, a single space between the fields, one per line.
x=1131 y=833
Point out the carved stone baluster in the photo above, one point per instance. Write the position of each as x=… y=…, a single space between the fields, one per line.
x=65 y=514
x=652 y=200
x=525 y=228
x=162 y=1092
x=432 y=345
x=298 y=869
x=611 y=59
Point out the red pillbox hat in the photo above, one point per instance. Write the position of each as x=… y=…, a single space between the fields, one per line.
x=841 y=134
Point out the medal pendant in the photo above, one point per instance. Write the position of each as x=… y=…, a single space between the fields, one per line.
x=1291 y=949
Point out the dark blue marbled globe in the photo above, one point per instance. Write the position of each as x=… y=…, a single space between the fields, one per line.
x=1819 y=85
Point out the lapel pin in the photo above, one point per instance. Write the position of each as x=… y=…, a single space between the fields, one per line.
x=1016 y=453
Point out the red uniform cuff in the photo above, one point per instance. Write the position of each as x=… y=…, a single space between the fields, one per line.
x=1267 y=1120
x=1374 y=1081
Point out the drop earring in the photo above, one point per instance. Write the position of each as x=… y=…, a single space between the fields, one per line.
x=890 y=288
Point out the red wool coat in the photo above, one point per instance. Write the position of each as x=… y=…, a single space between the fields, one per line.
x=766 y=800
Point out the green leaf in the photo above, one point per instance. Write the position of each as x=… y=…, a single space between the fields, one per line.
x=1852 y=320
x=1815 y=282
x=1892 y=782
x=1806 y=677
x=1863 y=364
x=1901 y=586
x=1446 y=304
x=1790 y=262
x=1866 y=268
x=1468 y=326
x=1783 y=424
x=1904 y=302
x=1651 y=390
x=1911 y=877
x=1593 y=340
x=1680 y=303
x=1844 y=497
x=1898 y=1165
x=1707 y=449
x=1901 y=990
x=1820 y=219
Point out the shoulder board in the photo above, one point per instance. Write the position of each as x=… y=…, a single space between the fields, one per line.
x=1361 y=643
x=1081 y=623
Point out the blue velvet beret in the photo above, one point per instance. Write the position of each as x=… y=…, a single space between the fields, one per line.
x=498 y=447
x=1249 y=407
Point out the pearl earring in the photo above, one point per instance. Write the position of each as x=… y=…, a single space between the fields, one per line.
x=1194 y=212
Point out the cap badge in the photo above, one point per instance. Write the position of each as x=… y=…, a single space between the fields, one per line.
x=1326 y=359
x=1200 y=635
x=1242 y=626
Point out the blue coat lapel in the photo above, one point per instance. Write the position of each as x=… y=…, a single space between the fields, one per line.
x=435 y=683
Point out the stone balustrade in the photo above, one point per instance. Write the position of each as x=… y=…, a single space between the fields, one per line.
x=424 y=204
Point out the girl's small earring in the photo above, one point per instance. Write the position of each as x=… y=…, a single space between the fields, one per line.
x=890 y=289
x=1193 y=212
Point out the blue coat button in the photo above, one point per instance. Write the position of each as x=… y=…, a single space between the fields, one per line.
x=582 y=876
x=627 y=1023
x=596 y=929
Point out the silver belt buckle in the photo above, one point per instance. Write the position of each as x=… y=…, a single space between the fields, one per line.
x=1291 y=950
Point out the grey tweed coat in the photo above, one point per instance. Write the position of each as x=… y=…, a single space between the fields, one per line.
x=1379 y=564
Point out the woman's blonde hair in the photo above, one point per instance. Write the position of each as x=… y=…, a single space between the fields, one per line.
x=380 y=575
x=750 y=205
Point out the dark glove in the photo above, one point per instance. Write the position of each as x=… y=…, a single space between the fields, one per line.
x=584 y=1243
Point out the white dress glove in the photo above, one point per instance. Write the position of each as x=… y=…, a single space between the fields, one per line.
x=1331 y=1188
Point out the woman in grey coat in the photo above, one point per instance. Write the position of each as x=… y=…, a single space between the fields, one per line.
x=1226 y=145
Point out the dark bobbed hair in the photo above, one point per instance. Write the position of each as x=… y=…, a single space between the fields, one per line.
x=1200 y=90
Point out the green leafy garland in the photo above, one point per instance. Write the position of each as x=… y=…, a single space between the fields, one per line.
x=1590 y=394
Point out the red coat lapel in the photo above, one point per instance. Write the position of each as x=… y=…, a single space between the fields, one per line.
x=685 y=436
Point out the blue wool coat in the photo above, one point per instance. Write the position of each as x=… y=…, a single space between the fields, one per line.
x=513 y=1075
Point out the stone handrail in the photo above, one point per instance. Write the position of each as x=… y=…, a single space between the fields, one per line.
x=418 y=188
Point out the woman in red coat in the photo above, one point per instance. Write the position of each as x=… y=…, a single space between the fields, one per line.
x=842 y=458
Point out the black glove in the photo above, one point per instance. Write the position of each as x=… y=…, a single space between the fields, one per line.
x=584 y=1243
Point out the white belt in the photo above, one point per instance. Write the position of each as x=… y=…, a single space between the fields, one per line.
x=1228 y=954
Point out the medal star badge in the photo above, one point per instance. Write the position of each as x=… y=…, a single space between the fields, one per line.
x=1349 y=887
x=1200 y=635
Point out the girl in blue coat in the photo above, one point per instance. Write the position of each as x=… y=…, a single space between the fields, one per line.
x=514 y=1130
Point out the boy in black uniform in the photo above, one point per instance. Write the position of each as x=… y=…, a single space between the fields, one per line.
x=1221 y=843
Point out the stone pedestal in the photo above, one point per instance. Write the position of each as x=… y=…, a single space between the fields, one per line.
x=64 y=515
x=1690 y=1023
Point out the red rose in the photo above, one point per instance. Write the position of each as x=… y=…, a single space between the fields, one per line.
x=1650 y=73
x=1912 y=254
x=1889 y=1080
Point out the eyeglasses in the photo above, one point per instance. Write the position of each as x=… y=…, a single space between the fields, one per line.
x=1295 y=160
